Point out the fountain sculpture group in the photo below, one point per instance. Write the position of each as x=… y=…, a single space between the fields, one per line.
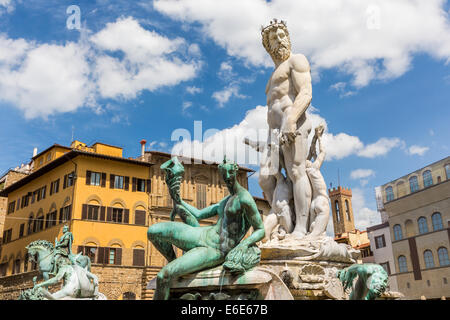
x=288 y=256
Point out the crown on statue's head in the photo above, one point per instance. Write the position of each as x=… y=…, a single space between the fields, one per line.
x=274 y=24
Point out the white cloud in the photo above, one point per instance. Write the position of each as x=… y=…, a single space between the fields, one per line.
x=8 y=5
x=369 y=40
x=362 y=173
x=254 y=126
x=146 y=64
x=340 y=87
x=223 y=96
x=186 y=105
x=417 y=150
x=44 y=79
x=381 y=147
x=194 y=90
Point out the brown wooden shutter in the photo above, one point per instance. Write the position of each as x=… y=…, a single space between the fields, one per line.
x=102 y=213
x=106 y=258
x=65 y=182
x=57 y=186
x=51 y=188
x=133 y=184
x=45 y=191
x=138 y=257
x=126 y=216
x=101 y=255
x=60 y=215
x=103 y=183
x=18 y=204
x=127 y=183
x=88 y=177
x=118 y=257
x=69 y=216
x=139 y=217
x=111 y=181
x=84 y=212
x=108 y=213
x=149 y=186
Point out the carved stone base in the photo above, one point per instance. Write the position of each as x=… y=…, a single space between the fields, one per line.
x=308 y=266
x=218 y=284
x=309 y=280
x=315 y=280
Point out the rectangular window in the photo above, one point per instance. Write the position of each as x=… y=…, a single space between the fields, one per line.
x=68 y=180
x=41 y=193
x=39 y=223
x=54 y=187
x=139 y=217
x=7 y=234
x=92 y=213
x=91 y=252
x=386 y=267
x=117 y=215
x=118 y=182
x=96 y=178
x=66 y=213
x=22 y=230
x=16 y=268
x=52 y=217
x=112 y=256
x=380 y=242
x=138 y=257
x=11 y=207
x=140 y=185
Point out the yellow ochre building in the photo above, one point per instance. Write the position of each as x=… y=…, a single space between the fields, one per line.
x=108 y=202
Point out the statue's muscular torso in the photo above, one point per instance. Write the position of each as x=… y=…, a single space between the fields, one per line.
x=284 y=86
x=230 y=227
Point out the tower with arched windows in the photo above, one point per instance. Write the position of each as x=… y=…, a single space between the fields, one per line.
x=341 y=206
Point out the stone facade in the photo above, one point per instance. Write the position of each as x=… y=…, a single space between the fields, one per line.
x=8 y=179
x=418 y=207
x=117 y=282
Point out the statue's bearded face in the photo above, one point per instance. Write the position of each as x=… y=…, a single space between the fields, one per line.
x=279 y=45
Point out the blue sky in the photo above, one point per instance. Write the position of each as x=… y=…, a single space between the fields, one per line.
x=142 y=69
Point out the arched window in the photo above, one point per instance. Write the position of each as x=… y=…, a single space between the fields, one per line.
x=447 y=171
x=413 y=184
x=427 y=179
x=443 y=257
x=398 y=232
x=30 y=224
x=389 y=194
x=423 y=226
x=338 y=214
x=347 y=210
x=436 y=219
x=402 y=266
x=428 y=257
x=39 y=223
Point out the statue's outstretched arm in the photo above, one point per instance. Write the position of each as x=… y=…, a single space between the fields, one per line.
x=259 y=146
x=204 y=213
x=322 y=154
